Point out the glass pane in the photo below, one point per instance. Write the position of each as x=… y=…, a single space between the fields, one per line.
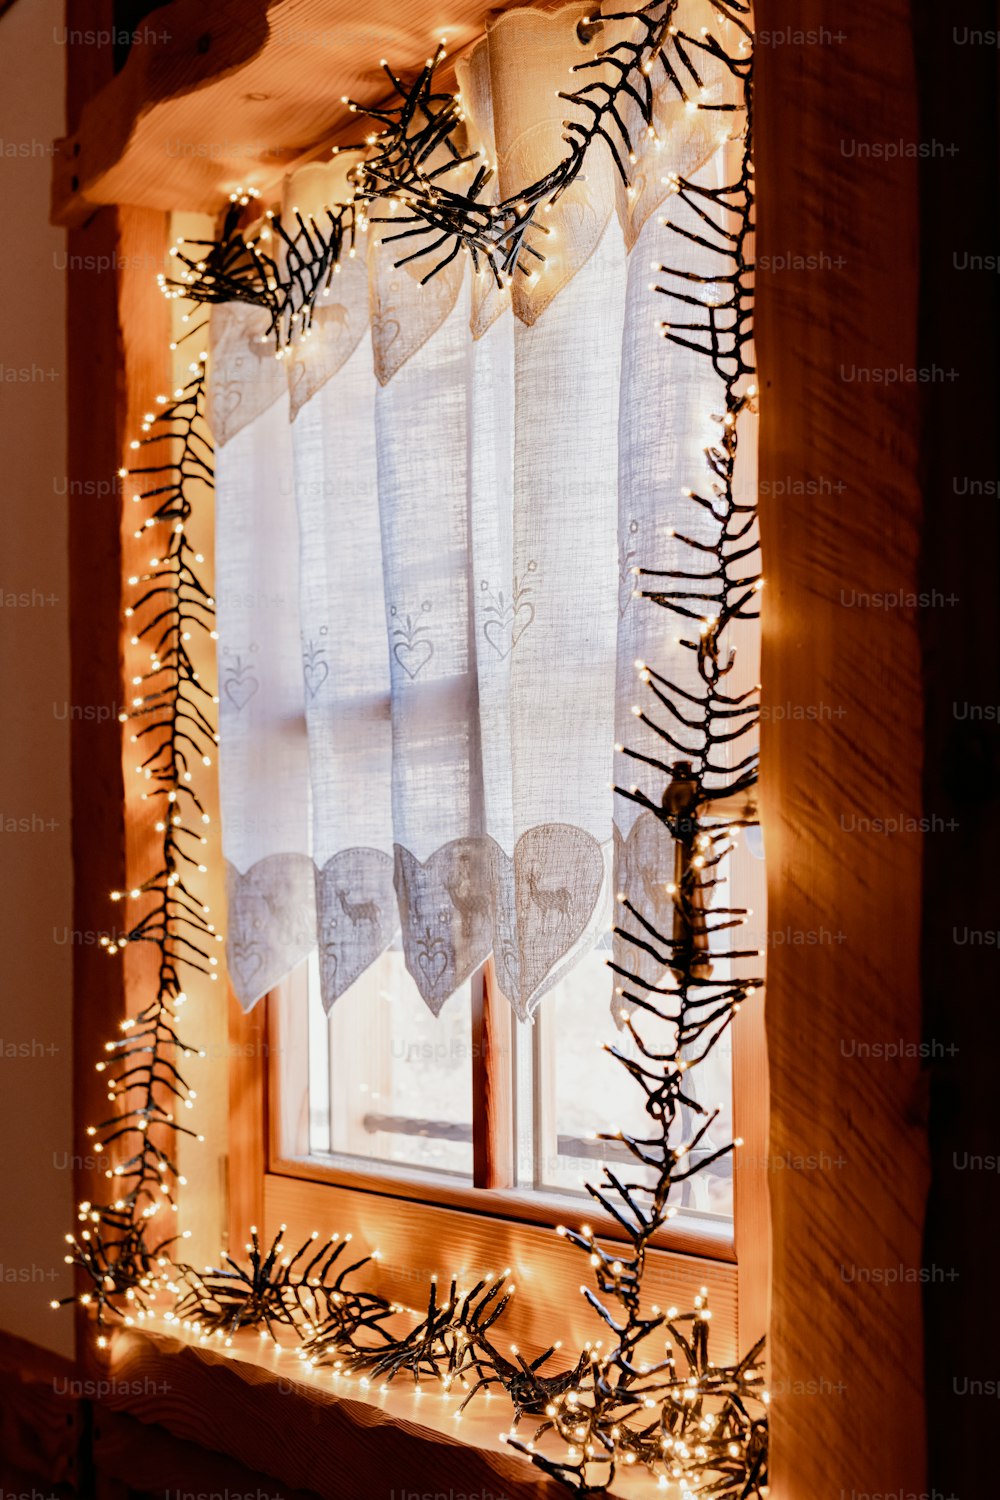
x=319 y=1062
x=389 y=1082
x=524 y=1103
x=581 y=1091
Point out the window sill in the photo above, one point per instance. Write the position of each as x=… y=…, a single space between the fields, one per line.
x=687 y=1234
x=416 y=1241
x=317 y=1432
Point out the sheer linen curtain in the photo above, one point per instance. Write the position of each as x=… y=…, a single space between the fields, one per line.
x=427 y=518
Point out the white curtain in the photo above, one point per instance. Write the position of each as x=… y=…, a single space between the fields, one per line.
x=427 y=517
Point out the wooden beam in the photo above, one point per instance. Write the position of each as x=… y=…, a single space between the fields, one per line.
x=213 y=100
x=116 y=343
x=89 y=68
x=841 y=513
x=492 y=1083
x=248 y=1120
x=95 y=427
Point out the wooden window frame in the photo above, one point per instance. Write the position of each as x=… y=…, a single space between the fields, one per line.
x=289 y=1154
x=423 y=1226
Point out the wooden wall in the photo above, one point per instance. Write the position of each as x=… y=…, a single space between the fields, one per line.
x=842 y=752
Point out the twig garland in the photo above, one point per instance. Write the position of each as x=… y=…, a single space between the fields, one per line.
x=697 y=1426
x=279 y=1291
x=122 y=1248
x=402 y=166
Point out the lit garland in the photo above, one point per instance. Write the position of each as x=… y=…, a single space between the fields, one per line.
x=401 y=166
x=290 y=1292
x=120 y=1247
x=695 y=1425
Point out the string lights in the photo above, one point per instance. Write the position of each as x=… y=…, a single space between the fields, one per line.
x=124 y=1245
x=647 y=1392
x=445 y=204
x=278 y=1291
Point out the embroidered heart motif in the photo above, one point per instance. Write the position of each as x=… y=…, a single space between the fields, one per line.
x=315 y=674
x=498 y=634
x=503 y=635
x=271 y=922
x=245 y=960
x=226 y=397
x=432 y=958
x=404 y=313
x=385 y=331
x=245 y=379
x=239 y=687
x=445 y=915
x=413 y=656
x=355 y=916
x=545 y=898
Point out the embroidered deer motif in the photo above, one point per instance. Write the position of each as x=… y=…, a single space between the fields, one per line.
x=469 y=900
x=358 y=911
x=556 y=899
x=468 y=903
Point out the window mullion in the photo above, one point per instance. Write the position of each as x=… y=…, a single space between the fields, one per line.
x=492 y=1083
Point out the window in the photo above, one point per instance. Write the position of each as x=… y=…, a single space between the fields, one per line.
x=405 y=1177
x=382 y=1091
x=429 y=518
x=387 y=1086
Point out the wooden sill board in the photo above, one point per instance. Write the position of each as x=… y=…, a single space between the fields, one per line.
x=216 y=98
x=317 y=1433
